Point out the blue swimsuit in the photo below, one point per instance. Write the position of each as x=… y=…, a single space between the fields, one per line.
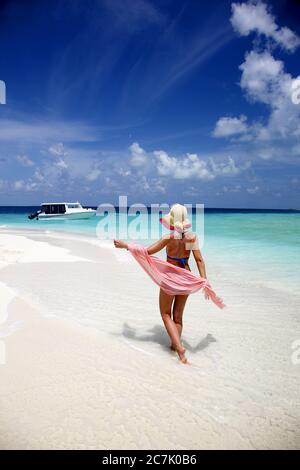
x=183 y=261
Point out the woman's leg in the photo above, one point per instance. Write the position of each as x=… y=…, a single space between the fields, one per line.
x=178 y=309
x=165 y=305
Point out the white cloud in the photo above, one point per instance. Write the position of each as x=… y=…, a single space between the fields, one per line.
x=296 y=91
x=61 y=164
x=124 y=172
x=228 y=126
x=24 y=160
x=18 y=185
x=32 y=186
x=152 y=185
x=138 y=155
x=264 y=80
x=94 y=174
x=232 y=189
x=21 y=185
x=263 y=77
x=256 y=17
x=46 y=131
x=38 y=175
x=187 y=167
x=57 y=150
x=227 y=168
x=270 y=152
x=192 y=166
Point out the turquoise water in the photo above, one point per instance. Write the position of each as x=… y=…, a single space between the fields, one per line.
x=263 y=246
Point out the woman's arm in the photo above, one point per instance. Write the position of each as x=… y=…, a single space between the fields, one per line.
x=120 y=244
x=200 y=263
x=157 y=246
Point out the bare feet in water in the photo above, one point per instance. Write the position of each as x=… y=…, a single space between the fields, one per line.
x=181 y=355
x=180 y=352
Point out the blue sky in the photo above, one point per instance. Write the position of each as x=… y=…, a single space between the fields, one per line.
x=162 y=101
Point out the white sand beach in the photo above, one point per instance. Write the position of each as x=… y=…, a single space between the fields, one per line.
x=85 y=360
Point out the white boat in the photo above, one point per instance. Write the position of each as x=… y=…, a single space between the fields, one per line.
x=62 y=210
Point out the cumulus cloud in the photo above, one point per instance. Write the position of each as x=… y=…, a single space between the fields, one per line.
x=94 y=174
x=255 y=16
x=61 y=164
x=227 y=168
x=21 y=185
x=24 y=160
x=121 y=173
x=192 y=166
x=152 y=185
x=57 y=150
x=182 y=168
x=38 y=175
x=264 y=80
x=138 y=155
x=228 y=126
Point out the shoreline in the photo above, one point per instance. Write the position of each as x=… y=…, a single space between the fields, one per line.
x=90 y=369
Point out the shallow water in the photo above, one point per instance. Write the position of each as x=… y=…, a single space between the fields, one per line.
x=261 y=247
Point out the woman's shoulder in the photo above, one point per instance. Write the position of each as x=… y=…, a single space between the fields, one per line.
x=191 y=236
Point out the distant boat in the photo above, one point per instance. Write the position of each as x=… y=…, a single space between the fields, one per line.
x=62 y=210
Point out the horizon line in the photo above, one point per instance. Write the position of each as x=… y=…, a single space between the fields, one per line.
x=205 y=208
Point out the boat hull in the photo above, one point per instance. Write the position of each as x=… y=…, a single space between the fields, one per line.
x=74 y=216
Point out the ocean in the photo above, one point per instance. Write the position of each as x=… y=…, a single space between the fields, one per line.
x=259 y=246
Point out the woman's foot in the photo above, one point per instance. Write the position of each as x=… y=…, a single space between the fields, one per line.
x=181 y=355
x=173 y=348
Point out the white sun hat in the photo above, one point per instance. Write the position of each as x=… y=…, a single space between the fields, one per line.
x=176 y=219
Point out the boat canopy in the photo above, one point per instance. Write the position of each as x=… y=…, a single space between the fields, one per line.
x=55 y=208
x=75 y=205
x=59 y=207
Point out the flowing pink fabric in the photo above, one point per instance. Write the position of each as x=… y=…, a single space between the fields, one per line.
x=172 y=279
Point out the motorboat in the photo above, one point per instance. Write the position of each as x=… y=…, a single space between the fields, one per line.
x=62 y=210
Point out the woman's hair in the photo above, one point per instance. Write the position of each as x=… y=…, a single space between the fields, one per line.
x=178 y=218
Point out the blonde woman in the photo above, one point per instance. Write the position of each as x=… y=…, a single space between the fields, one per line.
x=178 y=244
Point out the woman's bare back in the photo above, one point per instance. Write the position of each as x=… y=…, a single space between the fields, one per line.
x=180 y=248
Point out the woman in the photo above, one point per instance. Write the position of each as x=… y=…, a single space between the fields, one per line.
x=179 y=245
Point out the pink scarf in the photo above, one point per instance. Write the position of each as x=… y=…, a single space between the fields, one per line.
x=172 y=279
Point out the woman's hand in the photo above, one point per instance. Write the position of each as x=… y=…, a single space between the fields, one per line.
x=206 y=294
x=120 y=244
